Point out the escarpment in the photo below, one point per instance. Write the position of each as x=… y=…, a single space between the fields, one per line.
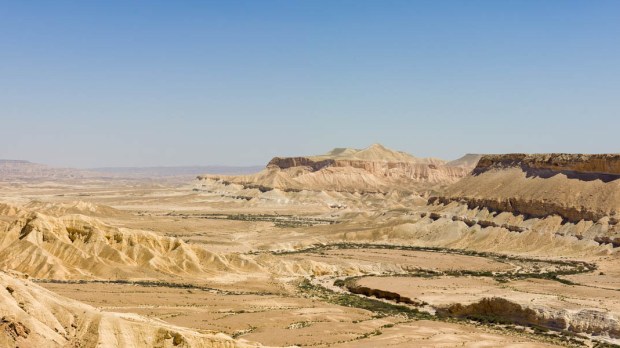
x=598 y=166
x=412 y=170
x=574 y=187
x=288 y=162
x=374 y=169
x=500 y=310
x=381 y=294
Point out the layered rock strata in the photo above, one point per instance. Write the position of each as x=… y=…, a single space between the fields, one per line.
x=374 y=169
x=574 y=187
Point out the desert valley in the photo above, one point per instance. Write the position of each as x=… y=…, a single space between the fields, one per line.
x=354 y=248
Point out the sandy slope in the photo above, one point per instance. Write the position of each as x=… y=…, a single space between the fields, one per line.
x=31 y=316
x=78 y=246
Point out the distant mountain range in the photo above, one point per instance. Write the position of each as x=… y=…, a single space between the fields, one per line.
x=375 y=156
x=25 y=170
x=373 y=169
x=176 y=171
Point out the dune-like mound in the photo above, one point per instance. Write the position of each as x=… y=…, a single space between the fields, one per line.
x=81 y=247
x=374 y=169
x=31 y=316
x=76 y=207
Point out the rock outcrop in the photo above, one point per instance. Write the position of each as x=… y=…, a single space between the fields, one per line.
x=602 y=166
x=374 y=169
x=80 y=247
x=574 y=187
x=289 y=162
x=500 y=310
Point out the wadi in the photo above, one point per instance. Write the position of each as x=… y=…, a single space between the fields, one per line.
x=354 y=248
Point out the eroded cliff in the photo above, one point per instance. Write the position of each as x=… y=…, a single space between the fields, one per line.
x=374 y=169
x=574 y=187
x=602 y=166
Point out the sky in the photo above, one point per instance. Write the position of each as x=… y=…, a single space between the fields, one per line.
x=149 y=83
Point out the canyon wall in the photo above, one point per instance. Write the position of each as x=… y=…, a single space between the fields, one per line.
x=574 y=187
x=603 y=164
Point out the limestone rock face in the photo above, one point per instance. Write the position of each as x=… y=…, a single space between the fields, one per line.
x=289 y=162
x=374 y=169
x=589 y=321
x=574 y=187
x=559 y=162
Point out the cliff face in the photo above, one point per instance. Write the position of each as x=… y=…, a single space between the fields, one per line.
x=374 y=169
x=575 y=187
x=604 y=167
x=418 y=171
x=289 y=162
x=606 y=164
x=587 y=321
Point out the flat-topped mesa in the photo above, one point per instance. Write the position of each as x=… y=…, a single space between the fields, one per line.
x=605 y=164
x=412 y=170
x=373 y=169
x=289 y=162
x=573 y=186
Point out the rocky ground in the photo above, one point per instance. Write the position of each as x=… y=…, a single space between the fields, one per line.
x=214 y=263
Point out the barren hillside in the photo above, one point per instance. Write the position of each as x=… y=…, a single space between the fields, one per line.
x=82 y=247
x=374 y=169
x=31 y=316
x=575 y=187
x=572 y=189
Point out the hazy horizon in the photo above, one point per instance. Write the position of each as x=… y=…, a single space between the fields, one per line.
x=117 y=84
x=255 y=165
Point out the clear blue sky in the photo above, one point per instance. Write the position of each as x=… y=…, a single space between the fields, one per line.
x=141 y=83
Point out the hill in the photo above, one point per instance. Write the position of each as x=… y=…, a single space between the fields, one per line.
x=81 y=247
x=574 y=194
x=575 y=187
x=374 y=169
x=31 y=316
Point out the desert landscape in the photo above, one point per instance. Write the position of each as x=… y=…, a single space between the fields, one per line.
x=320 y=174
x=355 y=248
